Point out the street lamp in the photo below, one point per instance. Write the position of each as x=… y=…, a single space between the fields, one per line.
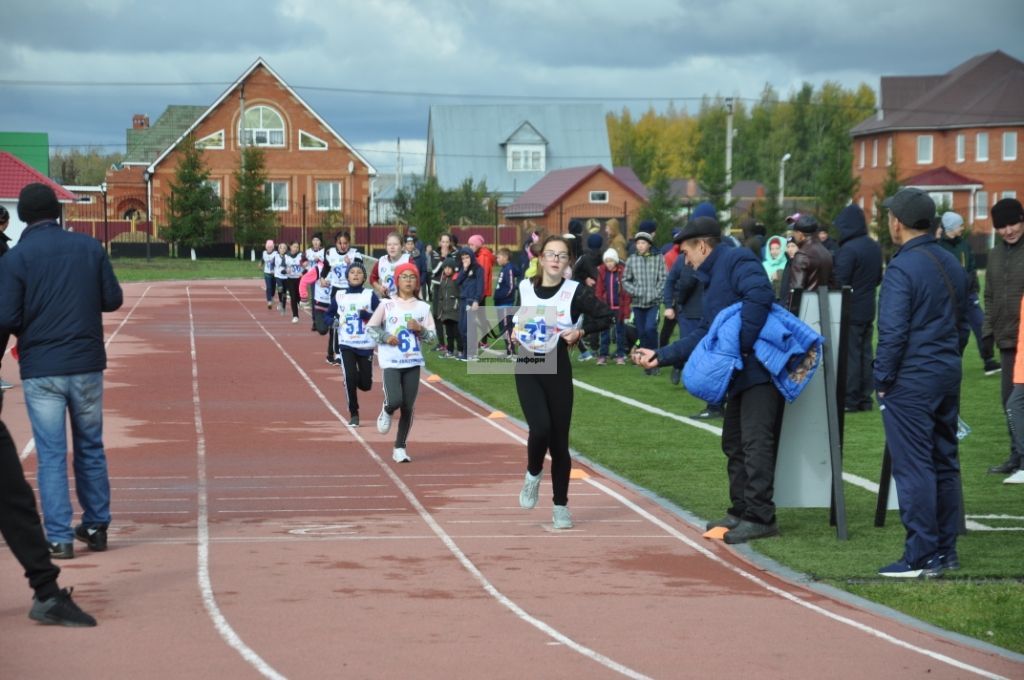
x=782 y=177
x=106 y=235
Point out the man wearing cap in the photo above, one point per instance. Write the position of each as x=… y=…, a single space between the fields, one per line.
x=1004 y=286
x=56 y=312
x=812 y=264
x=922 y=331
x=730 y=275
x=951 y=238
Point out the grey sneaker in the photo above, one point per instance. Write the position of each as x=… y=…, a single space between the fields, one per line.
x=531 y=490
x=354 y=421
x=4 y=385
x=561 y=518
x=383 y=421
x=60 y=610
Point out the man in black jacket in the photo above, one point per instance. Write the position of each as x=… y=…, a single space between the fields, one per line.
x=858 y=264
x=56 y=284
x=5 y=219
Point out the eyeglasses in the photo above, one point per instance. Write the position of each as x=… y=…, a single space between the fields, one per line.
x=409 y=277
x=552 y=255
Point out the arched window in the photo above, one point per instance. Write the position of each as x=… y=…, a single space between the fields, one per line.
x=263 y=127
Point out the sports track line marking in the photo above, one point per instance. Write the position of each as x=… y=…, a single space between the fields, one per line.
x=227 y=633
x=738 y=570
x=428 y=519
x=27 y=451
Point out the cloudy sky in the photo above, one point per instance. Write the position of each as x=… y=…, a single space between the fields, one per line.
x=79 y=70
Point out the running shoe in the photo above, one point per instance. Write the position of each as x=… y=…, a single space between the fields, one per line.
x=531 y=490
x=601 y=361
x=1016 y=478
x=270 y=304
x=586 y=356
x=400 y=456
x=4 y=385
x=901 y=569
x=295 y=319
x=95 y=537
x=620 y=361
x=560 y=517
x=60 y=610
x=354 y=420
x=383 y=421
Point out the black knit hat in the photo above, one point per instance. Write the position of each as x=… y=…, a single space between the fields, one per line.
x=1006 y=212
x=36 y=203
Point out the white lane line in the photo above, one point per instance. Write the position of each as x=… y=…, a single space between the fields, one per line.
x=295 y=498
x=742 y=572
x=27 y=451
x=294 y=476
x=225 y=630
x=467 y=564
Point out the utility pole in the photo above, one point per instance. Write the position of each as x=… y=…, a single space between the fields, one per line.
x=728 y=150
x=241 y=147
x=398 y=165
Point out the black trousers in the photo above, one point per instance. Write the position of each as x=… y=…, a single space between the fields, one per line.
x=292 y=286
x=1007 y=358
x=748 y=441
x=546 y=401
x=667 y=327
x=451 y=329
x=357 y=371
x=401 y=385
x=859 y=381
x=20 y=524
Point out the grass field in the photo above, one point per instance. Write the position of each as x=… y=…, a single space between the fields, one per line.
x=684 y=465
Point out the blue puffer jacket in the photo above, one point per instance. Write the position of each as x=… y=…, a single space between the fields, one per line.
x=858 y=263
x=921 y=332
x=730 y=275
x=787 y=347
x=56 y=284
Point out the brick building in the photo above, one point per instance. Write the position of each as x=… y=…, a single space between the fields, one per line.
x=957 y=136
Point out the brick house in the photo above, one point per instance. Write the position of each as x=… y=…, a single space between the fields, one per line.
x=311 y=170
x=587 y=193
x=956 y=136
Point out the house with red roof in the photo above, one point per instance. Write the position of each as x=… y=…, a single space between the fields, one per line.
x=16 y=174
x=588 y=193
x=957 y=136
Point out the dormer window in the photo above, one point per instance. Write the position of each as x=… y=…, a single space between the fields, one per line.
x=526 y=157
x=263 y=127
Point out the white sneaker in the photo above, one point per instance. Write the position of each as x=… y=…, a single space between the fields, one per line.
x=4 y=385
x=295 y=319
x=1016 y=478
x=561 y=518
x=383 y=421
x=400 y=456
x=531 y=490
x=269 y=304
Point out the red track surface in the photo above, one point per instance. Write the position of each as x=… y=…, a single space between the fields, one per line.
x=325 y=559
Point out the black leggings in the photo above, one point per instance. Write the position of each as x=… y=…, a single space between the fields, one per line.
x=292 y=285
x=20 y=524
x=455 y=344
x=547 y=405
x=357 y=372
x=401 y=385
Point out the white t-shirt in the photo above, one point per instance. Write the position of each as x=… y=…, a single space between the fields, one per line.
x=394 y=315
x=532 y=330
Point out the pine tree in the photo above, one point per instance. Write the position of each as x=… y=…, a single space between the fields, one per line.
x=251 y=216
x=661 y=207
x=195 y=209
x=889 y=188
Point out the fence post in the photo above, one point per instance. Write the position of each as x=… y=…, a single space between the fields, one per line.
x=369 y=230
x=303 y=222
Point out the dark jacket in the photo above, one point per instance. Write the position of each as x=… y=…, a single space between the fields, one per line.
x=858 y=264
x=4 y=243
x=445 y=303
x=830 y=244
x=609 y=290
x=586 y=267
x=505 y=288
x=812 y=266
x=921 y=331
x=56 y=285
x=471 y=280
x=683 y=292
x=1004 y=286
x=960 y=249
x=730 y=275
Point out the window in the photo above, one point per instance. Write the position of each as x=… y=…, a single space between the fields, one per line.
x=526 y=158
x=1009 y=194
x=598 y=196
x=981 y=146
x=328 y=196
x=1009 y=146
x=308 y=142
x=214 y=184
x=263 y=127
x=860 y=203
x=211 y=141
x=278 y=192
x=888 y=151
x=981 y=205
x=861 y=164
x=943 y=200
x=924 y=149
x=961 y=148
x=874 y=153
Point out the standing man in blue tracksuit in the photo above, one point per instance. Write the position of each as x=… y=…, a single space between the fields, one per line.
x=730 y=275
x=922 y=332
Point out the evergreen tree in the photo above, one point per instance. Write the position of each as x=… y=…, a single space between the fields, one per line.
x=251 y=216
x=661 y=207
x=889 y=188
x=195 y=209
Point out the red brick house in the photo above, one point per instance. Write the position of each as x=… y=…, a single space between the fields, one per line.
x=311 y=169
x=589 y=192
x=957 y=136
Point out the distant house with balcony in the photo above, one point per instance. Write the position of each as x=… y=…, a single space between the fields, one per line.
x=956 y=136
x=511 y=147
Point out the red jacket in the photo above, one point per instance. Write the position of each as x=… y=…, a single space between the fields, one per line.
x=485 y=258
x=609 y=290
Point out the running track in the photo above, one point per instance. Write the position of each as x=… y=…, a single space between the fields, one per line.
x=255 y=533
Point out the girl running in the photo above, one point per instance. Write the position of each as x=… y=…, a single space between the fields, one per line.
x=281 y=274
x=271 y=261
x=382 y=278
x=315 y=254
x=400 y=326
x=339 y=257
x=546 y=397
x=353 y=307
x=293 y=267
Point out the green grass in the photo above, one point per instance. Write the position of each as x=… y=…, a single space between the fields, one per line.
x=183 y=269
x=686 y=466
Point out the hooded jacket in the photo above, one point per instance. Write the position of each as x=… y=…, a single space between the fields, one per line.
x=471 y=280
x=858 y=264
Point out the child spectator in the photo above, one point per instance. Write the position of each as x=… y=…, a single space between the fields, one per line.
x=644 y=280
x=445 y=308
x=350 y=310
x=471 y=293
x=609 y=290
x=485 y=258
x=505 y=289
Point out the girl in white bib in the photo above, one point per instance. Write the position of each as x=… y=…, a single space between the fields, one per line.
x=382 y=278
x=352 y=309
x=270 y=265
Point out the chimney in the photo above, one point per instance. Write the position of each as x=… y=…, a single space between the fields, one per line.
x=140 y=121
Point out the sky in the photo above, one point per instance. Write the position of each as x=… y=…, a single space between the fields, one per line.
x=372 y=68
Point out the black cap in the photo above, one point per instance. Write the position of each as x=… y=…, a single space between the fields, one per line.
x=912 y=207
x=36 y=203
x=1006 y=212
x=700 y=227
x=807 y=224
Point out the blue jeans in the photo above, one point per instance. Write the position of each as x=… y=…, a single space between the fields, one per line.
x=646 y=319
x=48 y=400
x=271 y=285
x=620 y=340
